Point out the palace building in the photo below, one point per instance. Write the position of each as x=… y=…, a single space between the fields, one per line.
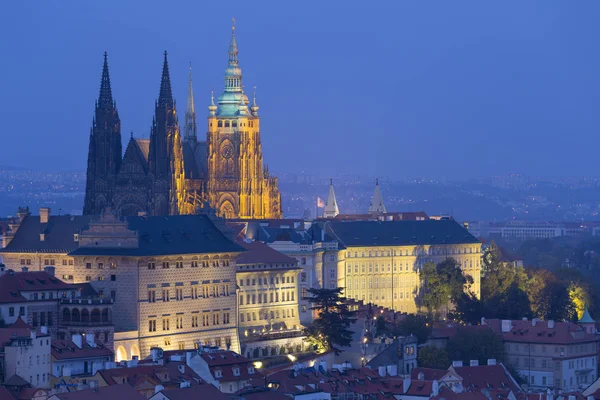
x=171 y=173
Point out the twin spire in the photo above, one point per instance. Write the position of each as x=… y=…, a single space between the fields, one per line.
x=376 y=208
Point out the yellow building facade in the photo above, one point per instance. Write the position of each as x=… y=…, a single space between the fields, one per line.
x=376 y=262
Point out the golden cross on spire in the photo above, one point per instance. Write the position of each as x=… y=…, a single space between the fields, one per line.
x=232 y=24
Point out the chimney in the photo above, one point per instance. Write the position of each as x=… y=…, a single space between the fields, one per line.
x=506 y=325
x=392 y=370
x=421 y=376
x=381 y=370
x=482 y=320
x=181 y=368
x=491 y=361
x=44 y=330
x=50 y=270
x=457 y=363
x=435 y=388
x=474 y=363
x=24 y=269
x=89 y=339
x=77 y=340
x=44 y=215
x=133 y=363
x=406 y=384
x=533 y=321
x=33 y=334
x=550 y=324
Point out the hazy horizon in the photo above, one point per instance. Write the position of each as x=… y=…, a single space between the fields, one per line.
x=399 y=89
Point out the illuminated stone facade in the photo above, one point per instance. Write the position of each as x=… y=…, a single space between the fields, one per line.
x=380 y=262
x=170 y=174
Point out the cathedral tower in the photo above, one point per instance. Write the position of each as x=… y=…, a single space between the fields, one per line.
x=165 y=160
x=105 y=149
x=239 y=186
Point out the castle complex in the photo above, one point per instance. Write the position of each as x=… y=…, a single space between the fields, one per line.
x=169 y=174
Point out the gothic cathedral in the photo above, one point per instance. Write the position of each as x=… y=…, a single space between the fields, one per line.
x=170 y=175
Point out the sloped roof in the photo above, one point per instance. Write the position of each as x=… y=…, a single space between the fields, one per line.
x=190 y=166
x=400 y=233
x=526 y=331
x=12 y=283
x=486 y=377
x=67 y=350
x=260 y=253
x=59 y=234
x=144 y=146
x=204 y=391
x=137 y=153
x=176 y=234
x=116 y=392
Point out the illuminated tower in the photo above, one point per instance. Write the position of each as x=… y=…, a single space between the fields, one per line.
x=239 y=185
x=105 y=150
x=165 y=160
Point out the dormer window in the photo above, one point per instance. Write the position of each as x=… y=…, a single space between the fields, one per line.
x=236 y=372
x=42 y=237
x=250 y=370
x=76 y=237
x=218 y=374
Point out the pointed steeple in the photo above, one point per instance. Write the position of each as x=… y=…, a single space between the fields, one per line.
x=331 y=207
x=377 y=206
x=105 y=99
x=233 y=48
x=191 y=130
x=254 y=107
x=212 y=108
x=165 y=96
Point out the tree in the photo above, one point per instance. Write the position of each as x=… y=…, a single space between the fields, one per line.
x=381 y=325
x=433 y=357
x=513 y=303
x=442 y=284
x=329 y=331
x=475 y=343
x=417 y=325
x=554 y=302
x=497 y=275
x=468 y=309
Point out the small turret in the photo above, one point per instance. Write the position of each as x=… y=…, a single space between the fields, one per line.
x=377 y=207
x=331 y=207
x=212 y=108
x=254 y=107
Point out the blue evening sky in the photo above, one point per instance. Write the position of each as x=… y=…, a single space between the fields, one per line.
x=389 y=88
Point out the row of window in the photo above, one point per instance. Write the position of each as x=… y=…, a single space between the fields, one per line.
x=268 y=315
x=100 y=278
x=382 y=283
x=413 y=252
x=195 y=292
x=580 y=348
x=100 y=265
x=193 y=264
x=397 y=295
x=206 y=319
x=45 y=318
x=272 y=298
x=263 y=281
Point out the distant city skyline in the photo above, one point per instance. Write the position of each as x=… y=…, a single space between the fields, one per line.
x=398 y=89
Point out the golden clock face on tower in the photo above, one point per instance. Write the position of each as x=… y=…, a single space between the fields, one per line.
x=227 y=151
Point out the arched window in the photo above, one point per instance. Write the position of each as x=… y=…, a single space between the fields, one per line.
x=105 y=315
x=66 y=316
x=95 y=316
x=85 y=315
x=75 y=316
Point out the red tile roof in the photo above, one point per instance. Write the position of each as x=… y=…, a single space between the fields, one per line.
x=66 y=350
x=17 y=330
x=525 y=331
x=486 y=377
x=116 y=392
x=260 y=253
x=12 y=283
x=226 y=361
x=204 y=391
x=429 y=374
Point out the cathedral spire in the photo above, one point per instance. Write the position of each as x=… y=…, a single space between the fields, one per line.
x=331 y=207
x=191 y=130
x=105 y=99
x=377 y=206
x=165 y=96
x=233 y=49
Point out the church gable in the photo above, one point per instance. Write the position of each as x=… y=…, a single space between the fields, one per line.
x=135 y=160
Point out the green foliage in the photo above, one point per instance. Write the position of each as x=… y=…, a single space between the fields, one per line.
x=417 y=325
x=472 y=343
x=442 y=284
x=381 y=326
x=513 y=303
x=329 y=331
x=433 y=357
x=468 y=309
